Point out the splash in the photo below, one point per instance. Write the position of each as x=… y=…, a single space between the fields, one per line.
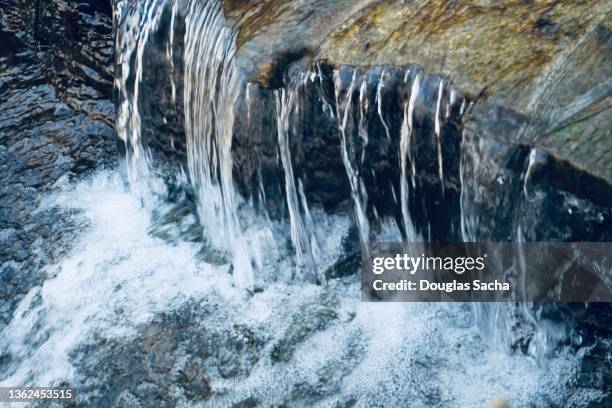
x=333 y=347
x=117 y=277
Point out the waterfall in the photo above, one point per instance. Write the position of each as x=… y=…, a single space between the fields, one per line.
x=406 y=157
x=212 y=87
x=227 y=273
x=302 y=231
x=493 y=320
x=170 y=49
x=137 y=25
x=438 y=130
x=504 y=325
x=356 y=108
x=344 y=106
x=213 y=91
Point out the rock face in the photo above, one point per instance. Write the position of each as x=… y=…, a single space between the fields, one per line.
x=544 y=59
x=539 y=72
x=512 y=103
x=56 y=119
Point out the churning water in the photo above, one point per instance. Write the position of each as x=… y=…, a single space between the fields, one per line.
x=319 y=345
x=322 y=345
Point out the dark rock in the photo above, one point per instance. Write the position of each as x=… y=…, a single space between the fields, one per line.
x=247 y=403
x=57 y=120
x=148 y=369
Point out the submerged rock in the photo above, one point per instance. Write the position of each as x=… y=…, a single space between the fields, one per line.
x=169 y=361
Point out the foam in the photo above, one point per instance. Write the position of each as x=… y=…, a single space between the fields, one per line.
x=394 y=354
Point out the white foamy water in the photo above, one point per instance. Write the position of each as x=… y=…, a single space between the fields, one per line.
x=118 y=276
x=340 y=350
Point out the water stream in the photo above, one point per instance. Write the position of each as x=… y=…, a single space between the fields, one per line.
x=303 y=235
x=350 y=158
x=315 y=343
x=212 y=86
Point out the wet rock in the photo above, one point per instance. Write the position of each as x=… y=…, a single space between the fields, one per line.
x=56 y=120
x=349 y=260
x=550 y=71
x=247 y=403
x=176 y=216
x=551 y=64
x=170 y=360
x=312 y=319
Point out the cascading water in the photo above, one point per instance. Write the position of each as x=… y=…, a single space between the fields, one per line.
x=406 y=158
x=503 y=325
x=139 y=23
x=133 y=293
x=438 y=130
x=212 y=87
x=495 y=321
x=379 y=108
x=344 y=106
x=302 y=232
x=170 y=49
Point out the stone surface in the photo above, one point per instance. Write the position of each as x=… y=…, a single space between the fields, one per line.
x=56 y=119
x=544 y=86
x=546 y=59
x=169 y=361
